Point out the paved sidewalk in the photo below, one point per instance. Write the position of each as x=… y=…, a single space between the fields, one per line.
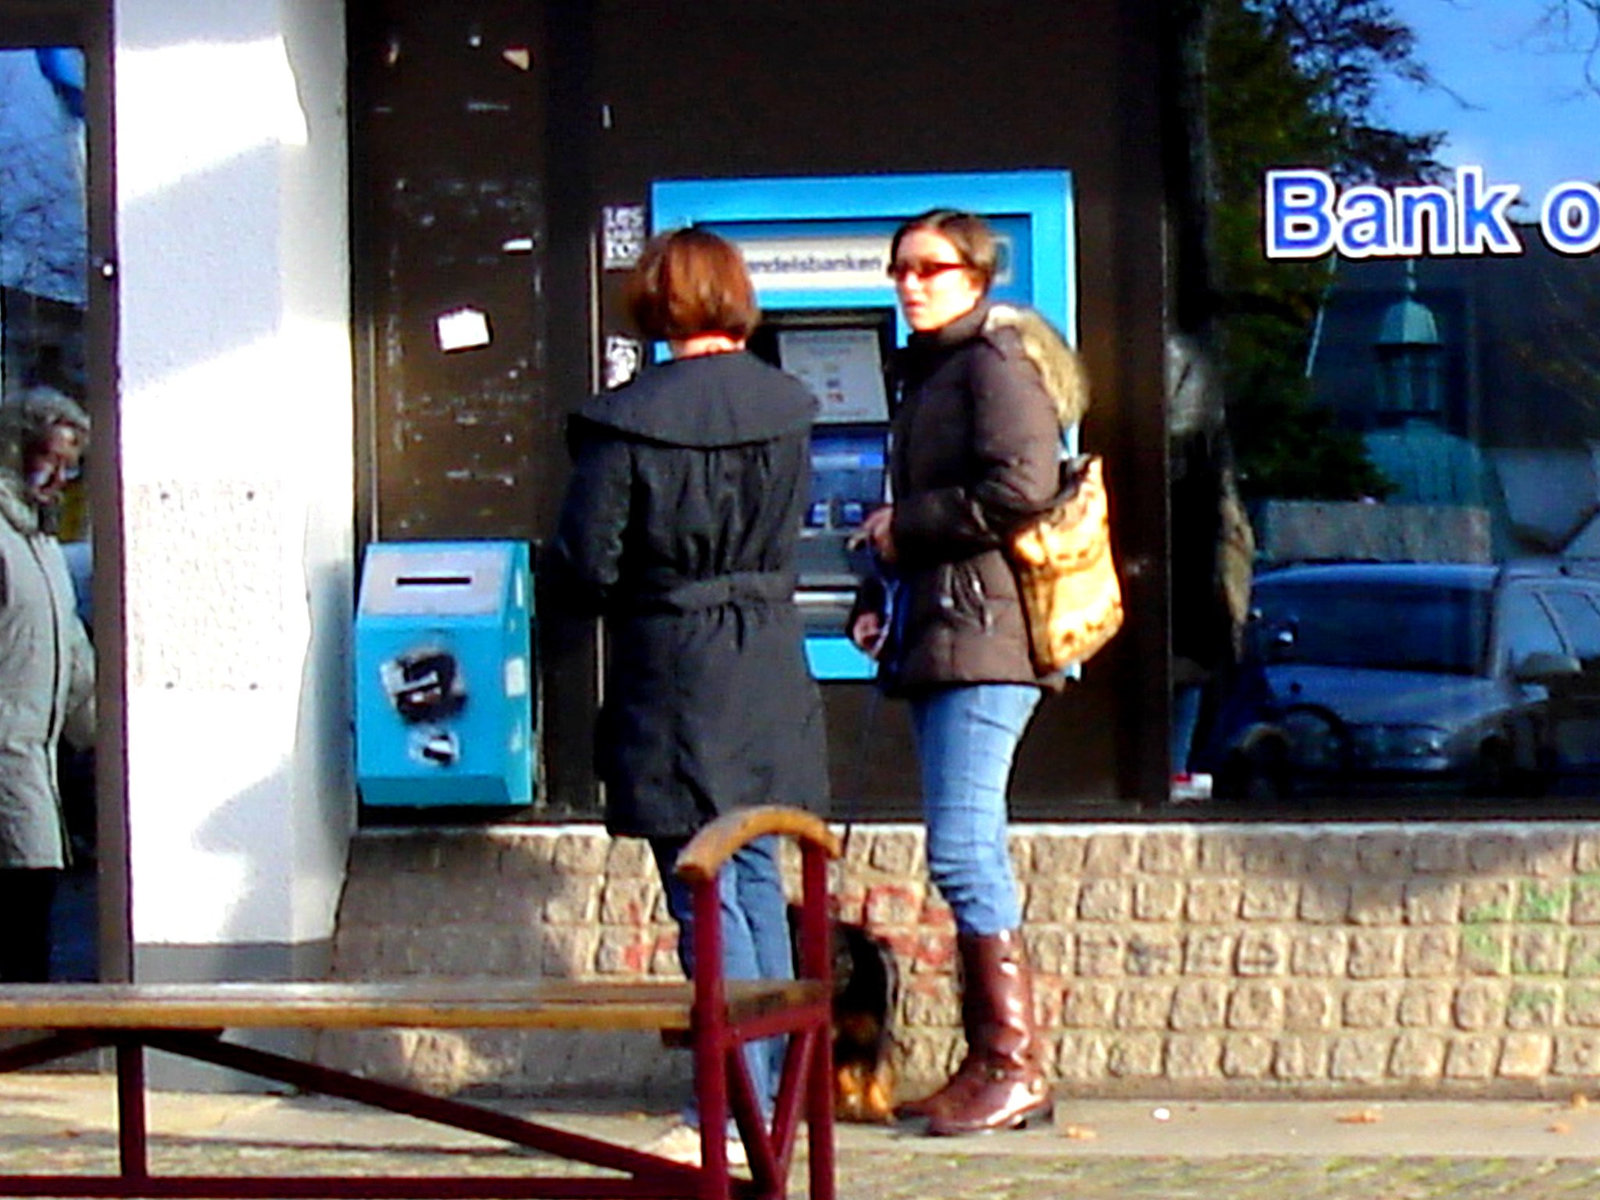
x=1130 y=1150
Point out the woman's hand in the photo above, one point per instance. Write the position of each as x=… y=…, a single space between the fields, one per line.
x=878 y=532
x=866 y=633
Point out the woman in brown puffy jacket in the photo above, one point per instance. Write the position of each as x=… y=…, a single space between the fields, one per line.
x=985 y=391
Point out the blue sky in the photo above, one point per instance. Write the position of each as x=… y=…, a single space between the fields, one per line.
x=1532 y=119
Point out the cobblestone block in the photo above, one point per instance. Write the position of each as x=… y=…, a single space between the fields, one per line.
x=1262 y=952
x=1538 y=952
x=896 y=852
x=1471 y=1057
x=569 y=953
x=1332 y=856
x=1490 y=854
x=1417 y=1055
x=1277 y=854
x=1168 y=852
x=1583 y=1005
x=1213 y=901
x=1300 y=1058
x=1308 y=1007
x=1058 y=855
x=1151 y=953
x=1479 y=1004
x=1548 y=853
x=1112 y=854
x=1377 y=902
x=1050 y=950
x=1431 y=952
x=1137 y=1057
x=1363 y=1058
x=1385 y=854
x=1208 y=952
x=1432 y=902
x=1318 y=952
x=1585 y=908
x=1269 y=900
x=1144 y=1006
x=1586 y=853
x=1324 y=902
x=934 y=951
x=1247 y=1056
x=1525 y=1055
x=1052 y=902
x=1100 y=953
x=1543 y=900
x=1193 y=1057
x=1439 y=853
x=625 y=951
x=1256 y=1005
x=581 y=853
x=1485 y=949
x=628 y=901
x=1533 y=1005
x=629 y=858
x=1082 y=1058
x=1089 y=1006
x=1158 y=899
x=1487 y=900
x=931 y=1004
x=1200 y=1004
x=574 y=901
x=894 y=905
x=1370 y=1005
x=1426 y=1005
x=1221 y=852
x=1374 y=953
x=1105 y=900
x=1577 y=1054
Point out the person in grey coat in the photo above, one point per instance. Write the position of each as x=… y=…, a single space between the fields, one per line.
x=46 y=669
x=680 y=527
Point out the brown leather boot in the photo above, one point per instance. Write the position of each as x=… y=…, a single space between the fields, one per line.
x=969 y=1075
x=1008 y=1086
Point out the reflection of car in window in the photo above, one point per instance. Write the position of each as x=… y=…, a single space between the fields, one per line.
x=1373 y=676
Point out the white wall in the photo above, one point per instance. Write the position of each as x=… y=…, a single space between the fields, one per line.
x=237 y=461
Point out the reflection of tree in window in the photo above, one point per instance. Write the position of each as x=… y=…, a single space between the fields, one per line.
x=43 y=237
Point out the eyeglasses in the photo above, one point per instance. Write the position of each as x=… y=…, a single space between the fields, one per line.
x=922 y=270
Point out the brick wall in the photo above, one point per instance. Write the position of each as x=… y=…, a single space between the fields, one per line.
x=1232 y=960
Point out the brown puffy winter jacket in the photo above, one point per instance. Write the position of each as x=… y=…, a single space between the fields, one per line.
x=976 y=442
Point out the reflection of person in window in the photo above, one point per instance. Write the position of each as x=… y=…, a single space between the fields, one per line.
x=46 y=669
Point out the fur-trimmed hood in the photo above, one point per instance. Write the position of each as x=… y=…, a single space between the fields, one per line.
x=1059 y=365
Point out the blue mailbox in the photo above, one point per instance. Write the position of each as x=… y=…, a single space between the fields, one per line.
x=444 y=681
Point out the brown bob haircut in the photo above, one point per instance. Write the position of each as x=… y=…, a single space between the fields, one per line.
x=691 y=282
x=970 y=235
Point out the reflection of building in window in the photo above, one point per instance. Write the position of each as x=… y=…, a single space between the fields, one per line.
x=1433 y=362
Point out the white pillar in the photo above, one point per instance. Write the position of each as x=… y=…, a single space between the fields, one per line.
x=237 y=460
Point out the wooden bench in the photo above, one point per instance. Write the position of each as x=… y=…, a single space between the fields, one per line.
x=716 y=1016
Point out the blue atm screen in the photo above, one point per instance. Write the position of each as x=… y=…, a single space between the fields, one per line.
x=846 y=477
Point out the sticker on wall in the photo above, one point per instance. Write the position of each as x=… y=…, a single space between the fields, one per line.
x=518 y=56
x=624 y=236
x=624 y=355
x=462 y=329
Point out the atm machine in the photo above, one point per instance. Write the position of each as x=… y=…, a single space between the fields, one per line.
x=817 y=249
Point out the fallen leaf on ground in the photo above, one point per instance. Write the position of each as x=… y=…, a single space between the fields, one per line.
x=1579 y=1101
x=1366 y=1116
x=1560 y=1127
x=1078 y=1133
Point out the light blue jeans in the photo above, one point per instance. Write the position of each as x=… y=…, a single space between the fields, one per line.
x=966 y=739
x=755 y=940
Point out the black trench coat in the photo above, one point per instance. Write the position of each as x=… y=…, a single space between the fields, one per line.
x=679 y=526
